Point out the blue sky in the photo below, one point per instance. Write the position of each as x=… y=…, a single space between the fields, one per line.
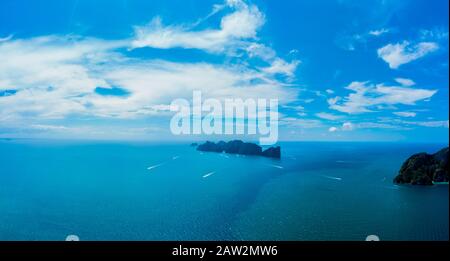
x=341 y=69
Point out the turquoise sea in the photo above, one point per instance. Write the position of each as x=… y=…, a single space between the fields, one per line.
x=145 y=191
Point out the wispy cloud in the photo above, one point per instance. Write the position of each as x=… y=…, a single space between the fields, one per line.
x=379 y=32
x=405 y=113
x=300 y=123
x=56 y=77
x=380 y=125
x=402 y=53
x=49 y=127
x=328 y=116
x=431 y=124
x=236 y=36
x=423 y=123
x=236 y=31
x=435 y=34
x=351 y=42
x=279 y=66
x=405 y=82
x=366 y=95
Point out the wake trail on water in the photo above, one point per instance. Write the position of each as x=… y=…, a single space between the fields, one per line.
x=155 y=166
x=163 y=163
x=209 y=174
x=276 y=166
x=331 y=177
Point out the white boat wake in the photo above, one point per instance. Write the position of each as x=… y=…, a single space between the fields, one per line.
x=330 y=177
x=277 y=166
x=208 y=174
x=155 y=166
x=160 y=164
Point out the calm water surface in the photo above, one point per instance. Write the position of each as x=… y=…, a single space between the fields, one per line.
x=118 y=191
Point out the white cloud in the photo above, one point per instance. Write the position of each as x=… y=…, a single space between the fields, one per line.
x=299 y=108
x=328 y=116
x=379 y=32
x=378 y=125
x=333 y=101
x=401 y=53
x=307 y=101
x=293 y=52
x=389 y=123
x=407 y=124
x=319 y=94
x=333 y=129
x=405 y=82
x=405 y=114
x=56 y=77
x=386 y=107
x=261 y=51
x=280 y=66
x=366 y=95
x=347 y=126
x=242 y=24
x=49 y=127
x=48 y=74
x=435 y=34
x=329 y=91
x=236 y=35
x=300 y=123
x=431 y=124
x=350 y=42
x=367 y=125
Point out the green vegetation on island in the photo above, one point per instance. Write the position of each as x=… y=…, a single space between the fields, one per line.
x=425 y=169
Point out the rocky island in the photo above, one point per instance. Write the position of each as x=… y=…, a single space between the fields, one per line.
x=241 y=148
x=424 y=169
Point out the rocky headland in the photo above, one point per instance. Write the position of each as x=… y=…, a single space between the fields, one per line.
x=425 y=169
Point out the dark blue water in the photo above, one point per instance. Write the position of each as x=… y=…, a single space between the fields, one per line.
x=317 y=191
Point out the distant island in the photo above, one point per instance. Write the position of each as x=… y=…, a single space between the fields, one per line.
x=425 y=169
x=241 y=148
